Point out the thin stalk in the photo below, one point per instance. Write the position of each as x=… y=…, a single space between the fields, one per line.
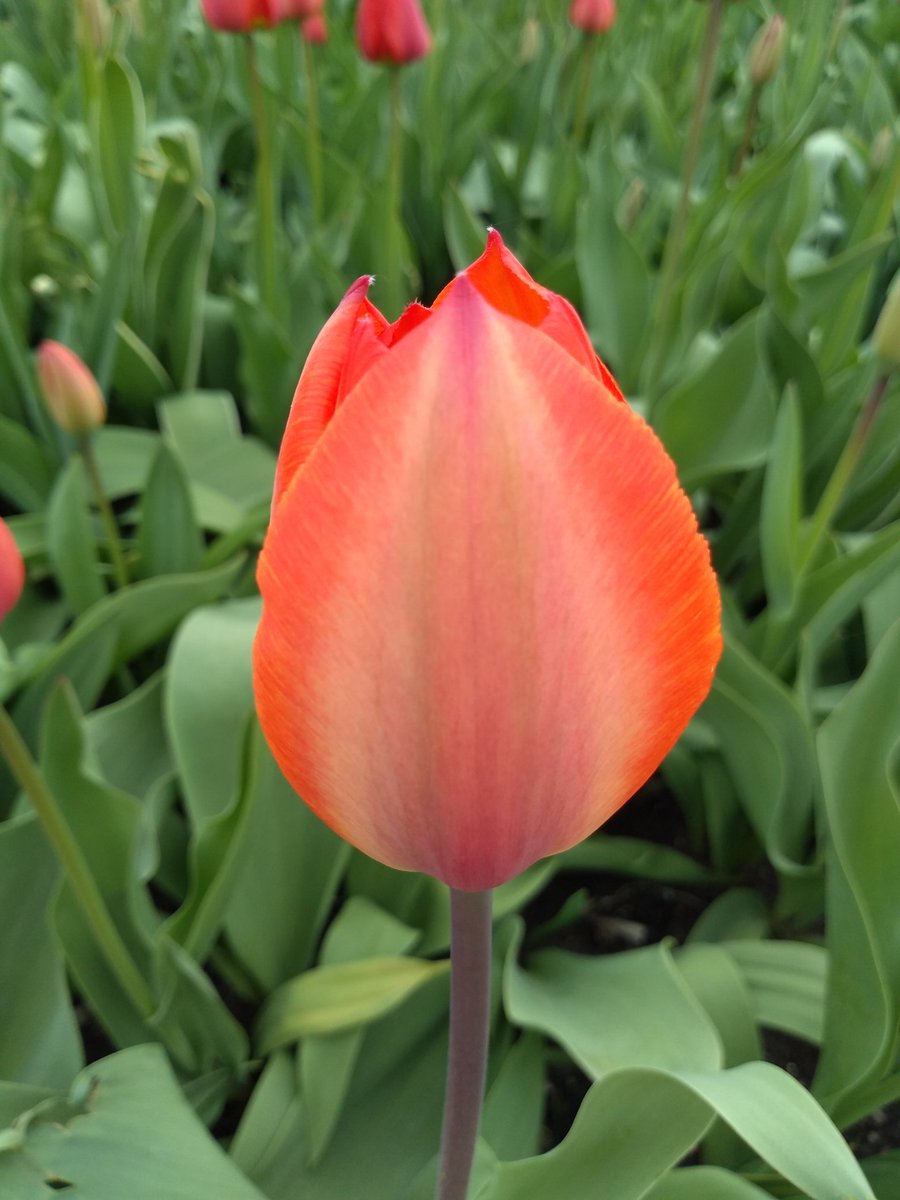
x=675 y=240
x=470 y=1004
x=78 y=873
x=585 y=76
x=842 y=474
x=266 y=210
x=313 y=131
x=393 y=291
x=107 y=516
x=749 y=129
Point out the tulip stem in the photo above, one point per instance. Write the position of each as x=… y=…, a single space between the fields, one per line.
x=107 y=516
x=585 y=75
x=313 y=131
x=267 y=212
x=749 y=130
x=470 y=1010
x=675 y=240
x=77 y=871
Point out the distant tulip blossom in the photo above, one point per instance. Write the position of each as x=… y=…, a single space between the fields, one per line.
x=12 y=570
x=314 y=29
x=71 y=393
x=488 y=612
x=392 y=31
x=593 y=16
x=242 y=16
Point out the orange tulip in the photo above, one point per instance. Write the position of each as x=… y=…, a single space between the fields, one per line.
x=392 y=30
x=71 y=392
x=12 y=570
x=487 y=610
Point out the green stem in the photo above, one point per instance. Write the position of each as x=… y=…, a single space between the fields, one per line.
x=675 y=240
x=267 y=209
x=470 y=1010
x=313 y=131
x=107 y=516
x=749 y=129
x=394 y=290
x=82 y=882
x=586 y=73
x=842 y=474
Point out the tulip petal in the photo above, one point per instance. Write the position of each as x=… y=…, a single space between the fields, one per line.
x=319 y=389
x=488 y=613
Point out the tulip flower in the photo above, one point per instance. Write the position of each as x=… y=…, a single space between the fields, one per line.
x=242 y=16
x=593 y=16
x=314 y=29
x=392 y=31
x=488 y=612
x=12 y=570
x=71 y=392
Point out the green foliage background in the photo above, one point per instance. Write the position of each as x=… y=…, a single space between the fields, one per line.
x=289 y=994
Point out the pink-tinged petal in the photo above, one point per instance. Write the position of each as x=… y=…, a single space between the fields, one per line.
x=319 y=390
x=508 y=287
x=593 y=16
x=392 y=31
x=12 y=570
x=238 y=16
x=488 y=612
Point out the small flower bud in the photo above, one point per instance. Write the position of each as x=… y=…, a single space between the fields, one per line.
x=12 y=570
x=71 y=392
x=886 y=338
x=767 y=50
x=314 y=29
x=593 y=16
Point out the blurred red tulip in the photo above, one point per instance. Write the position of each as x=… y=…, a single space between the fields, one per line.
x=239 y=16
x=593 y=16
x=12 y=570
x=314 y=29
x=487 y=609
x=71 y=392
x=392 y=30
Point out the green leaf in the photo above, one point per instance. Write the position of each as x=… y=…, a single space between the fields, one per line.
x=170 y=541
x=613 y=1011
x=722 y=417
x=128 y=1131
x=328 y=1000
x=26 y=472
x=780 y=513
x=70 y=540
x=39 y=1040
x=786 y=981
x=858 y=751
x=120 y=133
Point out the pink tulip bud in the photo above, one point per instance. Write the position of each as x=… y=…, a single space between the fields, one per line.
x=767 y=50
x=12 y=570
x=71 y=392
x=593 y=16
x=488 y=612
x=314 y=29
x=392 y=30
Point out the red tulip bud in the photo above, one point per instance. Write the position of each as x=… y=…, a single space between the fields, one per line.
x=71 y=392
x=487 y=609
x=240 y=16
x=314 y=29
x=593 y=16
x=392 y=30
x=12 y=570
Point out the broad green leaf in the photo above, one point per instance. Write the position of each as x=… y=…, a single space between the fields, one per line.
x=858 y=749
x=613 y=1011
x=70 y=540
x=170 y=541
x=26 y=473
x=128 y=742
x=332 y=999
x=780 y=513
x=126 y=1131
x=704 y=1183
x=39 y=1040
x=786 y=981
x=120 y=133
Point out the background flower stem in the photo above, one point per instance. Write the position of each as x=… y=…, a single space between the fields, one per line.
x=470 y=996
x=78 y=873
x=675 y=240
x=585 y=75
x=313 y=130
x=266 y=212
x=107 y=516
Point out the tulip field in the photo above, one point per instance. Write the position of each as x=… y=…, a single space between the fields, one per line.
x=472 y=773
